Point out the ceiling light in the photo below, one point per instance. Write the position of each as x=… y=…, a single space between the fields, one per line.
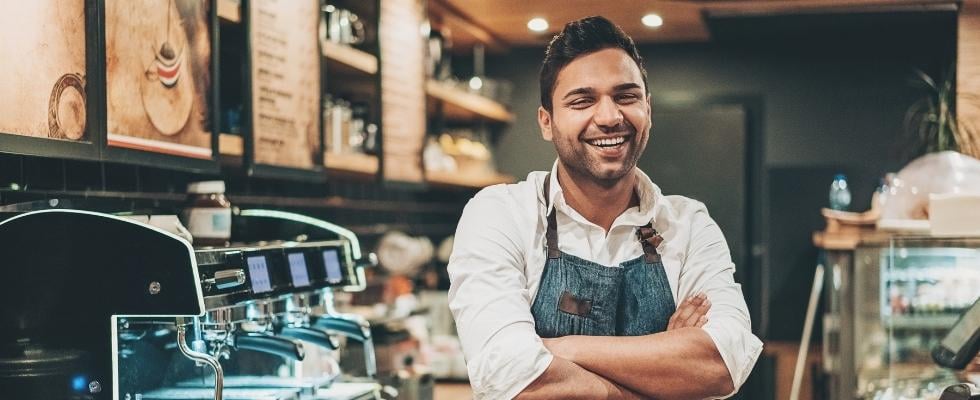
x=652 y=20
x=537 y=24
x=476 y=83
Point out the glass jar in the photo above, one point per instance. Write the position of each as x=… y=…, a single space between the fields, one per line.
x=207 y=213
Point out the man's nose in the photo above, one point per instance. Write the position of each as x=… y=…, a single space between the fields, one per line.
x=607 y=113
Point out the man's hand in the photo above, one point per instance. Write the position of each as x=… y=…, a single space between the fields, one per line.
x=565 y=380
x=692 y=312
x=973 y=366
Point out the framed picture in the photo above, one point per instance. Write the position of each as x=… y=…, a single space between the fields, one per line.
x=282 y=113
x=45 y=109
x=161 y=102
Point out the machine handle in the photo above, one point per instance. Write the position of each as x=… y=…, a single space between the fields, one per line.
x=311 y=335
x=349 y=328
x=283 y=347
x=357 y=328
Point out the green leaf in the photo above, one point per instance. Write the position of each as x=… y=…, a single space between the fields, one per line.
x=925 y=78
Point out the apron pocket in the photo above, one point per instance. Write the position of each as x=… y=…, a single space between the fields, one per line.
x=572 y=305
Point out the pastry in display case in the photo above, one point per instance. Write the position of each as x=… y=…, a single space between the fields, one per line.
x=890 y=302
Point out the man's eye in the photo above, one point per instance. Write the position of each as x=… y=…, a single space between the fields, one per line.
x=584 y=102
x=627 y=98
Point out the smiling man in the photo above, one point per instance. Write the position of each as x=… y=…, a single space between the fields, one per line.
x=586 y=281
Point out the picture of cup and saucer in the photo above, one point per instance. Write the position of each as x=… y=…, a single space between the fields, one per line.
x=167 y=89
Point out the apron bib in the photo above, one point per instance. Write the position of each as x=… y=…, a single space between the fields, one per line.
x=581 y=297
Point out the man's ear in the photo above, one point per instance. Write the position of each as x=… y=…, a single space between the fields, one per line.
x=544 y=122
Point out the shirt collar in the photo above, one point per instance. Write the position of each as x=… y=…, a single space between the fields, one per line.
x=648 y=193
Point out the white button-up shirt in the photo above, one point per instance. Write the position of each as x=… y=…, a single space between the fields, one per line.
x=499 y=256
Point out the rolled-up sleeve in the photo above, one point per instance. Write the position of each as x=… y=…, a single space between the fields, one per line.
x=708 y=268
x=490 y=302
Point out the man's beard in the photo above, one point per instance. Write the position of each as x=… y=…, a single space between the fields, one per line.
x=580 y=162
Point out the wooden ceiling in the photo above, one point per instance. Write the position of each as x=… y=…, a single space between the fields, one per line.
x=504 y=22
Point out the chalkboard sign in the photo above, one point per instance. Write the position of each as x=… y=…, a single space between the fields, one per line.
x=283 y=112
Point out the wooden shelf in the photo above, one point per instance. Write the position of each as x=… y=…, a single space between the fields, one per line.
x=350 y=59
x=442 y=178
x=231 y=145
x=230 y=10
x=928 y=322
x=462 y=105
x=467 y=32
x=352 y=164
x=848 y=240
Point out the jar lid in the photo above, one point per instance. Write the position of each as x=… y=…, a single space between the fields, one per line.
x=206 y=187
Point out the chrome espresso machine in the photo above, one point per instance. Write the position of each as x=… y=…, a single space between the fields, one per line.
x=101 y=307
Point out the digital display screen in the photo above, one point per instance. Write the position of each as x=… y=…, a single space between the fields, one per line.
x=964 y=328
x=297 y=268
x=331 y=260
x=258 y=272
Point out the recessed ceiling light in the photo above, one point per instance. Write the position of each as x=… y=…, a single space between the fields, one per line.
x=537 y=24
x=652 y=20
x=476 y=83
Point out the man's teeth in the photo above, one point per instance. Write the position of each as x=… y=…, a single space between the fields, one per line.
x=608 y=141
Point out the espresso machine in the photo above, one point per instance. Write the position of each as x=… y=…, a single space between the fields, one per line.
x=266 y=296
x=70 y=279
x=102 y=307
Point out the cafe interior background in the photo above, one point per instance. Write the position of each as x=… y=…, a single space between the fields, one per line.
x=371 y=123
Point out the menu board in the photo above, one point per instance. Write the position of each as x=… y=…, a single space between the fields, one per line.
x=285 y=82
x=158 y=76
x=42 y=56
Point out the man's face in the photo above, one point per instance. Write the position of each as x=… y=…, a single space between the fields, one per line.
x=600 y=120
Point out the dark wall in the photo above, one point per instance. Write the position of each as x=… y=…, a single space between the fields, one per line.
x=830 y=98
x=834 y=92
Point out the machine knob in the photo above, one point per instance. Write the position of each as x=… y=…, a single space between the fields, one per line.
x=227 y=278
x=368 y=261
x=962 y=391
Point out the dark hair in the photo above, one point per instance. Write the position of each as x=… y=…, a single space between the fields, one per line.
x=579 y=38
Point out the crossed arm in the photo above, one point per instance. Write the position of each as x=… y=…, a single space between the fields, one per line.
x=681 y=363
x=490 y=298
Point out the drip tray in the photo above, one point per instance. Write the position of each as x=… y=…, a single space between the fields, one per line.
x=229 y=394
x=350 y=391
x=305 y=386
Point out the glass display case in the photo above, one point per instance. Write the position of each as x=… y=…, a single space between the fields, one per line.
x=887 y=303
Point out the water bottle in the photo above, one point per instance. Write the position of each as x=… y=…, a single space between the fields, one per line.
x=886 y=187
x=840 y=196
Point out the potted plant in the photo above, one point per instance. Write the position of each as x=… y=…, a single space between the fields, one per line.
x=943 y=153
x=931 y=121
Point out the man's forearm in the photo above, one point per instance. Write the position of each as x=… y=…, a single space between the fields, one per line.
x=678 y=364
x=565 y=380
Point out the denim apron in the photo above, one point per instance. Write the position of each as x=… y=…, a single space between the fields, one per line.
x=581 y=297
